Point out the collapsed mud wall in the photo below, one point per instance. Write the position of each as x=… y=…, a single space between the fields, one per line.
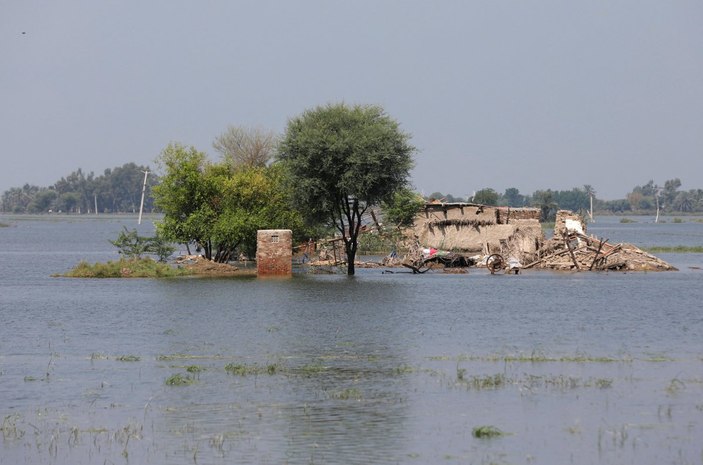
x=480 y=229
x=516 y=233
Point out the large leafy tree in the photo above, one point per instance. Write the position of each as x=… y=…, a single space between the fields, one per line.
x=343 y=160
x=218 y=208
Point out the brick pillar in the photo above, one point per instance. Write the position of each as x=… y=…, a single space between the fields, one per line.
x=274 y=252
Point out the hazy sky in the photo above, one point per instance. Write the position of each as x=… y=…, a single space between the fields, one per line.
x=526 y=94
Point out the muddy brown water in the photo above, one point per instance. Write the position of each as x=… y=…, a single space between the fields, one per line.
x=581 y=368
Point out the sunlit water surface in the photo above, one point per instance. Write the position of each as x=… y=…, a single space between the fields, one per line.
x=583 y=368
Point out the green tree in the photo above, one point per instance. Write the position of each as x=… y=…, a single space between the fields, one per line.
x=217 y=208
x=402 y=208
x=513 y=197
x=486 y=196
x=343 y=160
x=544 y=200
x=684 y=201
x=181 y=195
x=437 y=196
x=670 y=192
x=251 y=199
x=69 y=201
x=43 y=201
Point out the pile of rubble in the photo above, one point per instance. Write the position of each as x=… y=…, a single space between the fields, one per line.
x=576 y=251
x=571 y=249
x=200 y=265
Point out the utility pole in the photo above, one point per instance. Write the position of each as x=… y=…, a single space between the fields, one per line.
x=141 y=205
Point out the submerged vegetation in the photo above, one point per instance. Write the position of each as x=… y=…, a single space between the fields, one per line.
x=486 y=431
x=245 y=370
x=676 y=249
x=352 y=383
x=125 y=268
x=180 y=380
x=532 y=358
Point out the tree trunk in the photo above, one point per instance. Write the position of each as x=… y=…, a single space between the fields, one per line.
x=351 y=255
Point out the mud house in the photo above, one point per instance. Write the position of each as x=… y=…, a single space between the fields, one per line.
x=516 y=234
x=480 y=229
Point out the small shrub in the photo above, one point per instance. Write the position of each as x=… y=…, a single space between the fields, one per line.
x=627 y=220
x=272 y=369
x=604 y=383
x=132 y=245
x=239 y=370
x=486 y=431
x=179 y=380
x=128 y=358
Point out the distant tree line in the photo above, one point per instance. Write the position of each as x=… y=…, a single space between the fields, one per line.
x=117 y=190
x=643 y=199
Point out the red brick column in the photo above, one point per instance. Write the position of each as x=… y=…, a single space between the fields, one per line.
x=274 y=252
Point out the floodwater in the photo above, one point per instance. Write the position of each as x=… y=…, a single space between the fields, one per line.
x=583 y=368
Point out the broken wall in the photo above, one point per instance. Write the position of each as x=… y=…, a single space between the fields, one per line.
x=480 y=229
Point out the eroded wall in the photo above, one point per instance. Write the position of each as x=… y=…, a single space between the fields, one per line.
x=480 y=229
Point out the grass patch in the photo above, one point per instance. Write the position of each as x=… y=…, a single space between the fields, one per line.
x=530 y=358
x=125 y=268
x=627 y=220
x=194 y=369
x=496 y=381
x=172 y=357
x=4 y=225
x=676 y=249
x=246 y=370
x=486 y=431
x=347 y=394
x=128 y=358
x=312 y=369
x=403 y=370
x=179 y=380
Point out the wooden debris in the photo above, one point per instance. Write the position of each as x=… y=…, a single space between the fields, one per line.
x=596 y=255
